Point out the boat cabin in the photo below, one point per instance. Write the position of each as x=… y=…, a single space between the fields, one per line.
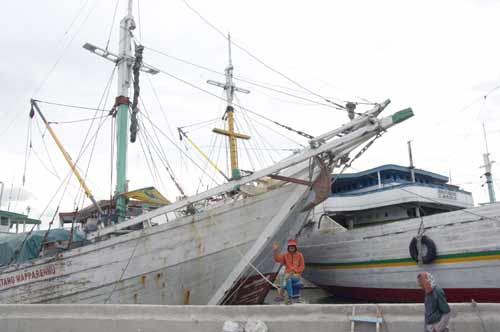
x=391 y=193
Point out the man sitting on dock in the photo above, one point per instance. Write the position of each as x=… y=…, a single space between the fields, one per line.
x=437 y=310
x=294 y=266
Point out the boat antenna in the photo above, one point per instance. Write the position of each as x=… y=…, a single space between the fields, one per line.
x=124 y=60
x=412 y=167
x=230 y=88
x=487 y=169
x=1 y=194
x=412 y=172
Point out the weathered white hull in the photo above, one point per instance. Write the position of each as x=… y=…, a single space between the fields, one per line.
x=220 y=255
x=374 y=263
x=179 y=262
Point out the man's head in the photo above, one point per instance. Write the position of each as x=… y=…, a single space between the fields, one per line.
x=292 y=246
x=426 y=281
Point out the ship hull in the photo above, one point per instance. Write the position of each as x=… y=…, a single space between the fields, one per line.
x=179 y=262
x=374 y=264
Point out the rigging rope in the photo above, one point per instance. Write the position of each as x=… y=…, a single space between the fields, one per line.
x=136 y=72
x=249 y=81
x=112 y=24
x=176 y=146
x=63 y=52
x=161 y=154
x=338 y=106
x=71 y=106
x=301 y=133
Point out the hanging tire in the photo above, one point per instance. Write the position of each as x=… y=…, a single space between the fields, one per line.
x=429 y=251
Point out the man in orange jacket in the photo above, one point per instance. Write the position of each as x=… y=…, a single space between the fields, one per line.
x=294 y=265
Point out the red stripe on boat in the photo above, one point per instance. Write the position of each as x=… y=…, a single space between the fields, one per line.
x=412 y=295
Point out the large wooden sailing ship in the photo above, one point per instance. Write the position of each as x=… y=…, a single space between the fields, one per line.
x=219 y=254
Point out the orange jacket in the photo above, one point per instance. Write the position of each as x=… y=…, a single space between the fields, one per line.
x=293 y=263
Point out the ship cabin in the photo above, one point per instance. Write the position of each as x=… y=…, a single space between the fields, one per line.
x=391 y=193
x=11 y=221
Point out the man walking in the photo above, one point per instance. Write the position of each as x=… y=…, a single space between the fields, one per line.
x=294 y=266
x=437 y=310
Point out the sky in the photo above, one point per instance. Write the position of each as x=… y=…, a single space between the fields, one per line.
x=439 y=57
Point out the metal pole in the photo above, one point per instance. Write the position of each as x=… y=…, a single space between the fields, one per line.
x=10 y=195
x=412 y=168
x=122 y=101
x=1 y=194
x=487 y=167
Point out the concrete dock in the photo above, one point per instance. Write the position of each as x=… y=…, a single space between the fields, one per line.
x=278 y=318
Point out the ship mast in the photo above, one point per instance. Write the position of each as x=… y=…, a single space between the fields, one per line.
x=487 y=170
x=124 y=61
x=230 y=88
x=122 y=103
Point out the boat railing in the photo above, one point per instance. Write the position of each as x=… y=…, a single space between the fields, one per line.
x=395 y=185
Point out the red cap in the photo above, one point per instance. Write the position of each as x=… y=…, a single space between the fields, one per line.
x=292 y=242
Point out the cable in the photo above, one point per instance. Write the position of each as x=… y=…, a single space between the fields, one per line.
x=80 y=120
x=139 y=19
x=63 y=52
x=245 y=80
x=78 y=13
x=71 y=106
x=112 y=24
x=278 y=133
x=46 y=149
x=200 y=123
x=239 y=106
x=160 y=105
x=180 y=149
x=338 y=106
x=160 y=152
x=14 y=119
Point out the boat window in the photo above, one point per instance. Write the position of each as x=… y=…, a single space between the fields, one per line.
x=4 y=221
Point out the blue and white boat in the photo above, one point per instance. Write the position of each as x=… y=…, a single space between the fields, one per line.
x=364 y=240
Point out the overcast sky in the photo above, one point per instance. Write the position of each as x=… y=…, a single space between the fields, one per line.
x=438 y=57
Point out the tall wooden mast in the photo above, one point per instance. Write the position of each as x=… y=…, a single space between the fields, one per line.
x=124 y=61
x=230 y=88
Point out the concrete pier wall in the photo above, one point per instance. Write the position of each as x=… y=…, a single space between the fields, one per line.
x=294 y=318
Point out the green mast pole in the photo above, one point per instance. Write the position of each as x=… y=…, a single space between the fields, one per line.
x=122 y=103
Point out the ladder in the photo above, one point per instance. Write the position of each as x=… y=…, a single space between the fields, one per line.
x=378 y=320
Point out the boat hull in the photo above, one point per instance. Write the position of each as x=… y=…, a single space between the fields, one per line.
x=179 y=262
x=374 y=264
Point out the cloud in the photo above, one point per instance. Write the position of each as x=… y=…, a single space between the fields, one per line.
x=17 y=194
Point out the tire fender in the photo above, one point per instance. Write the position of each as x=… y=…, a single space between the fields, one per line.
x=430 y=254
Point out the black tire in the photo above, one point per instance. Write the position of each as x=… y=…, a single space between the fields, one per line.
x=430 y=252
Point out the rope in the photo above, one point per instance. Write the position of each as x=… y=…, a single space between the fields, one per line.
x=77 y=121
x=123 y=271
x=136 y=72
x=63 y=52
x=176 y=146
x=340 y=107
x=71 y=106
x=474 y=305
x=246 y=80
x=112 y=24
x=239 y=106
x=161 y=153
x=155 y=93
